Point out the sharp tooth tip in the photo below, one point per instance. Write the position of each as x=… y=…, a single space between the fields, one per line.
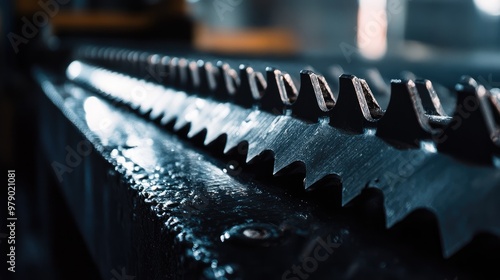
x=229 y=146
x=308 y=183
x=249 y=158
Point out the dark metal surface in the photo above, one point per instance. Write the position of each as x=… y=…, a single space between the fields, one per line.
x=151 y=203
x=408 y=169
x=197 y=217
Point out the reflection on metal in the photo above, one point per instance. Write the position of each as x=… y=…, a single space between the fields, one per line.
x=409 y=171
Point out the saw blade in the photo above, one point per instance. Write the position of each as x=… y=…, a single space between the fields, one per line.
x=416 y=154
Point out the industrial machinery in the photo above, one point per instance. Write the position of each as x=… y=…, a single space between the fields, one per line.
x=188 y=160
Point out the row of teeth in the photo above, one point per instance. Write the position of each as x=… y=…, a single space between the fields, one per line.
x=414 y=113
x=321 y=146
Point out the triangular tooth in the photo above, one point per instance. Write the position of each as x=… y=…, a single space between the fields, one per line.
x=193 y=77
x=404 y=120
x=212 y=134
x=253 y=151
x=271 y=100
x=231 y=142
x=182 y=70
x=279 y=163
x=194 y=130
x=251 y=87
x=356 y=106
x=212 y=73
x=473 y=209
x=206 y=72
x=114 y=58
x=147 y=104
x=473 y=132
x=100 y=54
x=174 y=108
x=280 y=92
x=173 y=70
x=143 y=64
x=193 y=113
x=450 y=240
x=178 y=73
x=283 y=160
x=315 y=98
x=203 y=87
x=137 y=64
x=229 y=146
x=132 y=58
x=165 y=70
x=153 y=69
x=428 y=96
x=247 y=126
x=393 y=216
x=92 y=54
x=123 y=65
x=227 y=81
x=311 y=178
x=159 y=107
x=200 y=122
x=106 y=57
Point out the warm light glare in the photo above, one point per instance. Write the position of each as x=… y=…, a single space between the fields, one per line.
x=490 y=7
x=372 y=28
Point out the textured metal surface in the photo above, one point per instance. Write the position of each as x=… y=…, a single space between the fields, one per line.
x=148 y=201
x=398 y=154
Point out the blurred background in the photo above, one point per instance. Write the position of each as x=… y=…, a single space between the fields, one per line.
x=390 y=33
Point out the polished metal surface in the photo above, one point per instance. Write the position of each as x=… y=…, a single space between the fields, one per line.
x=411 y=172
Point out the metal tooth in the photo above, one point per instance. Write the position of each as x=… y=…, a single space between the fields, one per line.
x=106 y=58
x=182 y=69
x=105 y=55
x=116 y=58
x=429 y=98
x=206 y=73
x=99 y=56
x=154 y=70
x=93 y=54
x=82 y=53
x=315 y=98
x=110 y=57
x=124 y=61
x=165 y=70
x=432 y=105
x=280 y=92
x=251 y=88
x=404 y=120
x=227 y=81
x=474 y=132
x=172 y=69
x=192 y=77
x=143 y=64
x=356 y=106
x=132 y=59
x=102 y=55
x=179 y=72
